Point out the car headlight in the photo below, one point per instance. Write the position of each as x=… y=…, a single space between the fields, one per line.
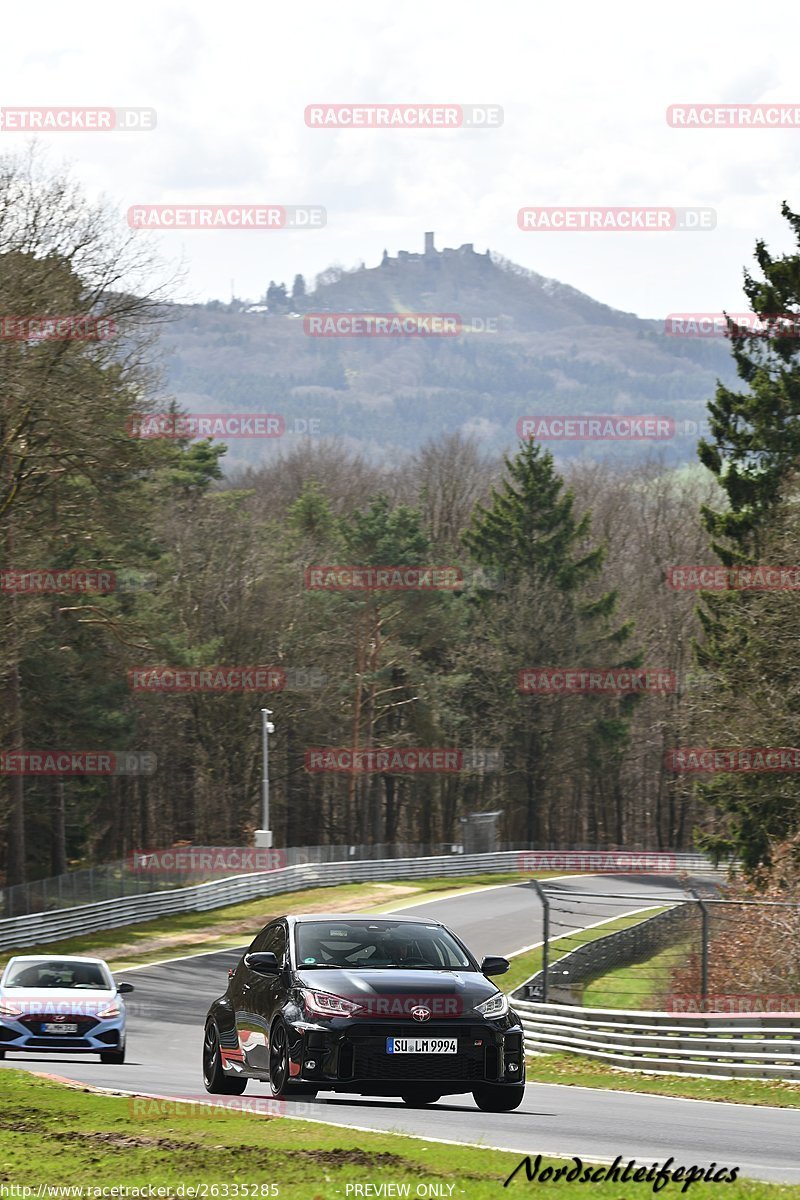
x=113 y=1010
x=7 y=1009
x=495 y=1006
x=325 y=1004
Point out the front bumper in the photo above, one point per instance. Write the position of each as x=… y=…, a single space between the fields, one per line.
x=351 y=1056
x=93 y=1036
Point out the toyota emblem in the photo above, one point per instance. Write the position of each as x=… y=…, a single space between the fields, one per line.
x=421 y=1014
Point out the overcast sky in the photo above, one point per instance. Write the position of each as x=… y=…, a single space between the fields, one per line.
x=584 y=89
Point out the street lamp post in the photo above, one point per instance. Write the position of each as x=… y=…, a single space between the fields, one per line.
x=264 y=835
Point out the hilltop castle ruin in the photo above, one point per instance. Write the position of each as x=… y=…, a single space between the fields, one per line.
x=431 y=256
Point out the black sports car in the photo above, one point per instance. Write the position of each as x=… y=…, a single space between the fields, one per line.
x=373 y=1005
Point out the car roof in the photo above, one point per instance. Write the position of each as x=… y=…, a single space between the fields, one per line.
x=34 y=958
x=299 y=918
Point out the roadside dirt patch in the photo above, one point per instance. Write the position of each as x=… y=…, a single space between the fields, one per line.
x=124 y=1141
x=351 y=1158
x=378 y=893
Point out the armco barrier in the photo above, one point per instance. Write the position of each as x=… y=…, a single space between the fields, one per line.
x=40 y=928
x=732 y=1046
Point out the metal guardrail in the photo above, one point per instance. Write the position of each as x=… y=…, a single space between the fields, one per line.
x=40 y=928
x=112 y=880
x=731 y=1046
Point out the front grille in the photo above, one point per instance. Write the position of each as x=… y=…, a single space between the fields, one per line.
x=372 y=1064
x=34 y=1023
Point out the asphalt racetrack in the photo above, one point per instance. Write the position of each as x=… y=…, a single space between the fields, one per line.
x=167 y=1011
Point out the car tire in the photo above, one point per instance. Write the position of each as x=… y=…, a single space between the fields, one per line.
x=112 y=1056
x=492 y=1098
x=281 y=1084
x=214 y=1078
x=420 y=1097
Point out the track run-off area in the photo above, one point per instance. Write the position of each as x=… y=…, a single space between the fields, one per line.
x=168 y=1008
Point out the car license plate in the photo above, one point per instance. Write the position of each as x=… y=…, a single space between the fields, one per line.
x=52 y=1027
x=396 y=1045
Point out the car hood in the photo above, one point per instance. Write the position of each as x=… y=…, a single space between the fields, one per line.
x=65 y=1001
x=445 y=993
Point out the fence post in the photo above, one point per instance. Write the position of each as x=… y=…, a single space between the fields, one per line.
x=704 y=948
x=542 y=894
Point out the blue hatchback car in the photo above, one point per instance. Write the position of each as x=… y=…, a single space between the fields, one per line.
x=68 y=1005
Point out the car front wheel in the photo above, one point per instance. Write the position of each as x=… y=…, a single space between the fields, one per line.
x=214 y=1078
x=280 y=1082
x=112 y=1056
x=491 y=1098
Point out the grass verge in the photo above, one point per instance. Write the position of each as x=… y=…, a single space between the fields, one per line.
x=58 y=1136
x=641 y=985
x=576 y=1071
x=221 y=928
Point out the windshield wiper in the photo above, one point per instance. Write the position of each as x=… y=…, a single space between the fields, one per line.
x=320 y=967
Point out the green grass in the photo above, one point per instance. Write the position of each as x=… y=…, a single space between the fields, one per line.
x=640 y=985
x=60 y=1136
x=235 y=925
x=576 y=1071
x=523 y=966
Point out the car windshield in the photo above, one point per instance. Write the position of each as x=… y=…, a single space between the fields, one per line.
x=378 y=945
x=57 y=973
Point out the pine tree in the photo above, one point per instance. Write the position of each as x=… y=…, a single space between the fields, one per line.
x=544 y=615
x=747 y=637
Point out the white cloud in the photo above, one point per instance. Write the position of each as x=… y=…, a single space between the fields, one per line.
x=584 y=89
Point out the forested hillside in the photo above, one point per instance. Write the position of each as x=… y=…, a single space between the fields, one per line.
x=529 y=345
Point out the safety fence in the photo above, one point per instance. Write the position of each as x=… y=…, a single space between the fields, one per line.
x=58 y=924
x=636 y=943
x=724 y=969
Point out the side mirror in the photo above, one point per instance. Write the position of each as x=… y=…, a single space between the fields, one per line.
x=494 y=965
x=264 y=963
x=124 y=987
